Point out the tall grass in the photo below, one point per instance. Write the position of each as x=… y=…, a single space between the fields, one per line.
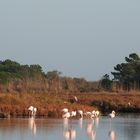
x=50 y=105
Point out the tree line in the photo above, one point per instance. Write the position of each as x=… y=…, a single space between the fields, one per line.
x=15 y=77
x=126 y=75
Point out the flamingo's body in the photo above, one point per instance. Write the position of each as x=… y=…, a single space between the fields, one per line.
x=80 y=112
x=112 y=114
x=66 y=115
x=32 y=111
x=64 y=110
x=73 y=113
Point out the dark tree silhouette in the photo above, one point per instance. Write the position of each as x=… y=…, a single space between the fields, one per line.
x=128 y=74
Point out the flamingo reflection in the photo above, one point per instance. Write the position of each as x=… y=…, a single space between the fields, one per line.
x=81 y=122
x=90 y=132
x=97 y=122
x=112 y=135
x=32 y=125
x=65 y=122
x=69 y=134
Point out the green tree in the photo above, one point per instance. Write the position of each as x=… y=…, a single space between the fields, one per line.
x=106 y=83
x=128 y=73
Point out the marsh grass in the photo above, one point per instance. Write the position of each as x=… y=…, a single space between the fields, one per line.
x=50 y=105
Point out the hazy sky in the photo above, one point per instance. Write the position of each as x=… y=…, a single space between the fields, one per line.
x=80 y=38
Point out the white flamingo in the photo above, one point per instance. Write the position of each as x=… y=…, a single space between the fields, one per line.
x=66 y=115
x=32 y=111
x=64 y=110
x=97 y=113
x=112 y=114
x=73 y=113
x=80 y=112
x=88 y=114
x=93 y=112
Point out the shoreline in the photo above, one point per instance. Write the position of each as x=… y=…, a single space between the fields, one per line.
x=50 y=105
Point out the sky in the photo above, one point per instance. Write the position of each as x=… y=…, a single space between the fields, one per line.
x=79 y=38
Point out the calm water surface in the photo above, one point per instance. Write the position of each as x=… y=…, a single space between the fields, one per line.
x=123 y=127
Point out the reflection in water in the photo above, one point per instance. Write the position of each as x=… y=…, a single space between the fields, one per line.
x=112 y=135
x=32 y=125
x=90 y=132
x=123 y=128
x=70 y=134
x=65 y=122
x=81 y=122
x=97 y=122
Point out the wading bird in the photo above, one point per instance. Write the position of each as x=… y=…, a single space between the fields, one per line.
x=112 y=114
x=32 y=111
x=80 y=112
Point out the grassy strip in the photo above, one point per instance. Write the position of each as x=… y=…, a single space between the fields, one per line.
x=50 y=105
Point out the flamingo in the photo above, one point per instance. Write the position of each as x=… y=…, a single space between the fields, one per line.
x=31 y=108
x=112 y=114
x=97 y=113
x=32 y=111
x=64 y=110
x=73 y=113
x=93 y=112
x=88 y=114
x=66 y=115
x=80 y=112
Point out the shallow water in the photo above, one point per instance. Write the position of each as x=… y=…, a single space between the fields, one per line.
x=122 y=127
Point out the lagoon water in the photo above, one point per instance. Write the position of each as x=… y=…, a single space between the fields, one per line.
x=122 y=127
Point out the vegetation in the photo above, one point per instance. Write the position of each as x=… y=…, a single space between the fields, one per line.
x=52 y=92
x=50 y=105
x=106 y=83
x=127 y=75
x=15 y=77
